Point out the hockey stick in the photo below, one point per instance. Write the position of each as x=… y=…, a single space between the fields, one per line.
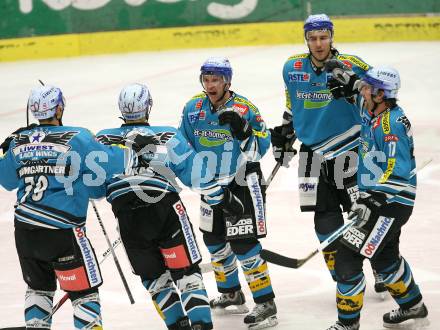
x=66 y=296
x=284 y=261
x=115 y=258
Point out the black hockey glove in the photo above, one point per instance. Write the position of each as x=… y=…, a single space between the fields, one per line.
x=5 y=145
x=240 y=127
x=143 y=145
x=282 y=138
x=366 y=206
x=344 y=82
x=230 y=204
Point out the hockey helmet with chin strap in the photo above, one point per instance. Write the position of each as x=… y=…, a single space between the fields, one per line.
x=384 y=78
x=44 y=100
x=319 y=22
x=135 y=102
x=218 y=66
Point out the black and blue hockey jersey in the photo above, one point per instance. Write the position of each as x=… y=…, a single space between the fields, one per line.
x=172 y=157
x=386 y=156
x=56 y=169
x=328 y=126
x=225 y=155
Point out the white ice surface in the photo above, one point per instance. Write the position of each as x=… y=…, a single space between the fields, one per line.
x=305 y=297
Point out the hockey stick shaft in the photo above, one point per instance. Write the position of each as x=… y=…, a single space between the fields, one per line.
x=281 y=260
x=64 y=298
x=115 y=258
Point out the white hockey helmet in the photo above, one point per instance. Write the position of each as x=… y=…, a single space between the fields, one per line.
x=44 y=100
x=385 y=78
x=318 y=22
x=135 y=102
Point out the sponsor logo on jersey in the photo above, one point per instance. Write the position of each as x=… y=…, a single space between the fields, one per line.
x=354 y=60
x=193 y=116
x=315 y=100
x=175 y=257
x=252 y=107
x=297 y=65
x=202 y=115
x=298 y=76
x=389 y=170
x=42 y=143
x=347 y=63
x=257 y=198
x=259 y=119
x=213 y=138
x=243 y=228
x=377 y=235
x=199 y=104
x=298 y=56
x=376 y=123
x=91 y=264
x=391 y=137
x=260 y=134
x=354 y=238
x=240 y=108
x=187 y=232
x=386 y=123
x=306 y=186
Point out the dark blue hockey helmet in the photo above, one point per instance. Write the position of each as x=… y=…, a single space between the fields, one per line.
x=319 y=22
x=219 y=66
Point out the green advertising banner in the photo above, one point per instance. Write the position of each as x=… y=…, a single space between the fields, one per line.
x=26 y=18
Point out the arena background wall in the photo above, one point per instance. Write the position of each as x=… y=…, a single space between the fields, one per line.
x=38 y=29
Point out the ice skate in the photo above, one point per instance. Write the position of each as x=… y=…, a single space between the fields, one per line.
x=229 y=303
x=412 y=318
x=262 y=316
x=340 y=326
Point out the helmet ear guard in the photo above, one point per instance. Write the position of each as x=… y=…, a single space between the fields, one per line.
x=135 y=102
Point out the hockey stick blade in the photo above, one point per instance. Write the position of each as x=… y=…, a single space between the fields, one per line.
x=278 y=259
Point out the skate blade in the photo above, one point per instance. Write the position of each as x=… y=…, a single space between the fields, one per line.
x=413 y=324
x=271 y=321
x=235 y=309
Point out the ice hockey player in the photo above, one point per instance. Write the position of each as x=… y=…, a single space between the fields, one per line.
x=46 y=163
x=228 y=130
x=155 y=228
x=328 y=129
x=387 y=183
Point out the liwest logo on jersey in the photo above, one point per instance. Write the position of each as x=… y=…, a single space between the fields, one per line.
x=41 y=143
x=187 y=232
x=377 y=235
x=298 y=76
x=93 y=273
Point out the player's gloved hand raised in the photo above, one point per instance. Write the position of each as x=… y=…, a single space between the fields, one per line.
x=230 y=204
x=240 y=127
x=366 y=206
x=5 y=144
x=282 y=138
x=344 y=82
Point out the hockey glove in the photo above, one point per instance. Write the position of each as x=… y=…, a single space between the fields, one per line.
x=5 y=145
x=282 y=138
x=230 y=204
x=366 y=206
x=344 y=82
x=240 y=127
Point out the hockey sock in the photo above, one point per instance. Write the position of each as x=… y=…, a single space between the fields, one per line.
x=87 y=312
x=329 y=257
x=195 y=299
x=400 y=283
x=224 y=263
x=38 y=307
x=350 y=298
x=165 y=298
x=256 y=274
